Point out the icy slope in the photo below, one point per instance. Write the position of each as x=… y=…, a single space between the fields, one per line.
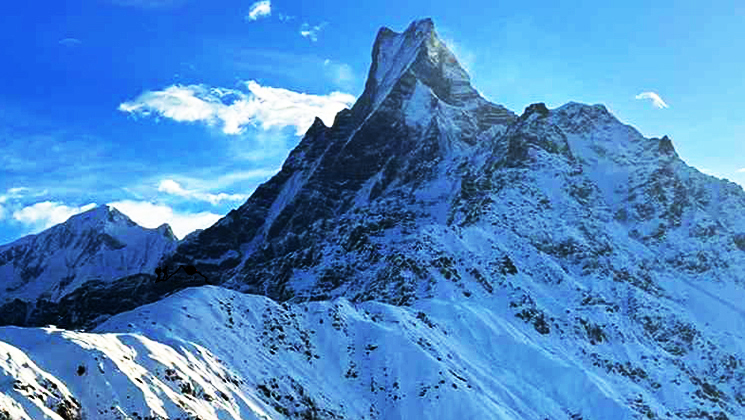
x=211 y=353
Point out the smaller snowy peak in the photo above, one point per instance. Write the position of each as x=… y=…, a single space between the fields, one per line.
x=601 y=125
x=99 y=245
x=593 y=120
x=166 y=231
x=577 y=109
x=98 y=216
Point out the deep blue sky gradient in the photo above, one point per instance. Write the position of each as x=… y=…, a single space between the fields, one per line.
x=68 y=66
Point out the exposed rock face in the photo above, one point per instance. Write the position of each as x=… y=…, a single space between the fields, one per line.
x=539 y=108
x=417 y=112
x=739 y=241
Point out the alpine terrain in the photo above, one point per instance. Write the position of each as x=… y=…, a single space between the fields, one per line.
x=53 y=270
x=431 y=255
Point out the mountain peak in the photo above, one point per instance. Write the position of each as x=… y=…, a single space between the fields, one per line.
x=419 y=25
x=99 y=215
x=166 y=231
x=417 y=51
x=665 y=147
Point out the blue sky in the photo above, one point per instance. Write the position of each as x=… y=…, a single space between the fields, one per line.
x=175 y=110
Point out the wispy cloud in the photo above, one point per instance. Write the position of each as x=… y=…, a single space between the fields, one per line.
x=149 y=4
x=297 y=67
x=70 y=42
x=16 y=193
x=341 y=73
x=232 y=176
x=228 y=179
x=45 y=214
x=151 y=215
x=259 y=10
x=466 y=57
x=741 y=170
x=311 y=32
x=265 y=106
x=285 y=18
x=13 y=193
x=172 y=187
x=654 y=97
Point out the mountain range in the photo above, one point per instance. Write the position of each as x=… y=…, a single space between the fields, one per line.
x=430 y=255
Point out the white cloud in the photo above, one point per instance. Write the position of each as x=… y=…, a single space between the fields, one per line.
x=150 y=215
x=741 y=170
x=12 y=196
x=259 y=9
x=265 y=106
x=45 y=214
x=656 y=100
x=179 y=103
x=277 y=107
x=170 y=186
x=311 y=32
x=70 y=42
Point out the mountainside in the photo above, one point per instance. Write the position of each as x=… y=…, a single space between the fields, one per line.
x=96 y=247
x=369 y=207
x=388 y=162
x=319 y=360
x=558 y=262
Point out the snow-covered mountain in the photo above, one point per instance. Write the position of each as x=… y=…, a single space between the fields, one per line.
x=432 y=255
x=90 y=249
x=319 y=360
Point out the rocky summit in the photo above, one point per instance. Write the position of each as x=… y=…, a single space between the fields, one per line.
x=430 y=255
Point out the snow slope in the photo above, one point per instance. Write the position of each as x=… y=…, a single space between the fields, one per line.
x=260 y=359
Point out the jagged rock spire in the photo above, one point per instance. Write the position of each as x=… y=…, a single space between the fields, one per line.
x=418 y=54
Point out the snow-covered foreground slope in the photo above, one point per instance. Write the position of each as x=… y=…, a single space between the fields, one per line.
x=212 y=353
